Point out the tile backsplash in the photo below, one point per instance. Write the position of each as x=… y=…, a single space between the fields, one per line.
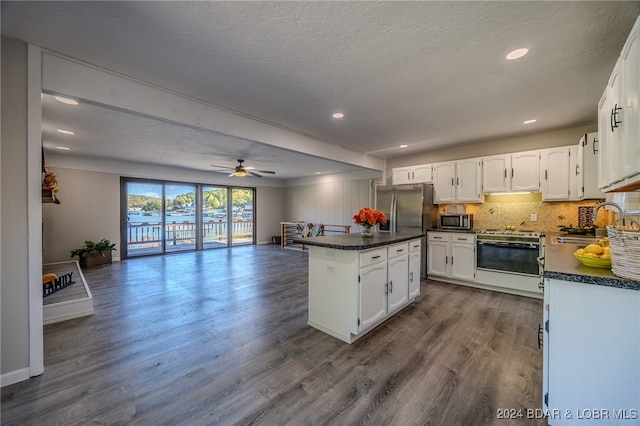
x=500 y=211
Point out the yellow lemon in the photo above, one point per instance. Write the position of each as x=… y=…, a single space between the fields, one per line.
x=580 y=252
x=592 y=255
x=605 y=256
x=606 y=250
x=593 y=248
x=604 y=242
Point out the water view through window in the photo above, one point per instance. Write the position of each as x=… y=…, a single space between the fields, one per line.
x=164 y=217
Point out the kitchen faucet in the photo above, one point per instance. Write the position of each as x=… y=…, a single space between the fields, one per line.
x=607 y=203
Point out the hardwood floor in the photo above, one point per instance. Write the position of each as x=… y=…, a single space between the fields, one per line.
x=220 y=338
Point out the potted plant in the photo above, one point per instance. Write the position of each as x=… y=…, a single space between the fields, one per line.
x=93 y=254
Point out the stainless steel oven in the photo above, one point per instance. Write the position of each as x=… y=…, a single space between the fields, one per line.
x=509 y=251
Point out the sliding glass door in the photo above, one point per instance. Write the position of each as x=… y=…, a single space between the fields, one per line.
x=214 y=217
x=144 y=218
x=166 y=217
x=180 y=217
x=242 y=218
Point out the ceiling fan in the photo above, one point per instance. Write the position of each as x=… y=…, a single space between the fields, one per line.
x=242 y=171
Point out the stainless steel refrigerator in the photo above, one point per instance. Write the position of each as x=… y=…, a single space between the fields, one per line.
x=409 y=208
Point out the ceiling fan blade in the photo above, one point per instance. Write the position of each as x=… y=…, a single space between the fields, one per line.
x=232 y=174
x=266 y=171
x=249 y=172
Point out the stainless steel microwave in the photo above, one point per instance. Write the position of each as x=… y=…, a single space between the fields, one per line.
x=456 y=221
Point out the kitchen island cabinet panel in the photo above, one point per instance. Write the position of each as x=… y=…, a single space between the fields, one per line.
x=592 y=340
x=357 y=283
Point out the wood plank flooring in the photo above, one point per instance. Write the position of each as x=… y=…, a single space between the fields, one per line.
x=220 y=337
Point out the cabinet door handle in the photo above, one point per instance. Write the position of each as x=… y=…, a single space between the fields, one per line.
x=540 y=336
x=458 y=181
x=446 y=260
x=595 y=151
x=512 y=172
x=452 y=260
x=386 y=288
x=577 y=169
x=375 y=257
x=390 y=286
x=411 y=276
x=399 y=250
x=545 y=175
x=452 y=182
x=614 y=117
x=505 y=173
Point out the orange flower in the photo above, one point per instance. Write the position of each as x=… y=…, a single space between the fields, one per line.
x=367 y=216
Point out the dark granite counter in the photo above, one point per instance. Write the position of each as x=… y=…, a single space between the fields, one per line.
x=355 y=241
x=561 y=264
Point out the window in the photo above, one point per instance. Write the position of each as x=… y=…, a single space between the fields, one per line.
x=166 y=217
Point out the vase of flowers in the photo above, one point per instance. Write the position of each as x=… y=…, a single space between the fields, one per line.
x=368 y=219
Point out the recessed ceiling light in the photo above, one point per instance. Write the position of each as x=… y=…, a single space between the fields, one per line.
x=64 y=148
x=529 y=121
x=66 y=132
x=518 y=53
x=403 y=146
x=65 y=100
x=338 y=115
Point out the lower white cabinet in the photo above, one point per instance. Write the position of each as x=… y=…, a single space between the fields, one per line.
x=415 y=259
x=398 y=276
x=352 y=291
x=451 y=255
x=591 y=362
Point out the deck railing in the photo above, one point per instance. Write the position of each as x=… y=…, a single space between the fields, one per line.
x=176 y=233
x=288 y=231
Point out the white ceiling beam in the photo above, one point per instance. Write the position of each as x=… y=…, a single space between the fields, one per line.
x=61 y=75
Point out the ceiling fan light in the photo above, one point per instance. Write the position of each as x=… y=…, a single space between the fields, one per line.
x=240 y=173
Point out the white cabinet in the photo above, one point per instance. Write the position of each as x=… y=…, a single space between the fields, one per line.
x=525 y=171
x=587 y=167
x=352 y=291
x=373 y=285
x=515 y=172
x=619 y=121
x=415 y=261
x=609 y=138
x=555 y=173
x=398 y=276
x=458 y=181
x=496 y=174
x=412 y=174
x=591 y=353
x=451 y=255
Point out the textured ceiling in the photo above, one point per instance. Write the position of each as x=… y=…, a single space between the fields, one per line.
x=426 y=74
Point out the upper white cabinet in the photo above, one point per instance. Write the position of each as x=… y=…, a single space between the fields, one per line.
x=458 y=181
x=555 y=173
x=587 y=167
x=618 y=121
x=511 y=172
x=412 y=174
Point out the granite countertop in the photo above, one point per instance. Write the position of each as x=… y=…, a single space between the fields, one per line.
x=561 y=264
x=355 y=241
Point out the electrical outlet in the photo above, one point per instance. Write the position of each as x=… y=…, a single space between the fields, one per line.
x=534 y=217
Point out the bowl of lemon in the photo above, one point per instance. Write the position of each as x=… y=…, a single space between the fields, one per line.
x=597 y=254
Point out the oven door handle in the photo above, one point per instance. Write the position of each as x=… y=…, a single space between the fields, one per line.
x=540 y=260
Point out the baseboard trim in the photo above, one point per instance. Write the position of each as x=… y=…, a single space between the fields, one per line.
x=14 y=377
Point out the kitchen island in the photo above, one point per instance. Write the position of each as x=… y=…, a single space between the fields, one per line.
x=357 y=283
x=591 y=329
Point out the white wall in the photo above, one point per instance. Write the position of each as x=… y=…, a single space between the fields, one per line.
x=90 y=207
x=89 y=210
x=14 y=284
x=328 y=200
